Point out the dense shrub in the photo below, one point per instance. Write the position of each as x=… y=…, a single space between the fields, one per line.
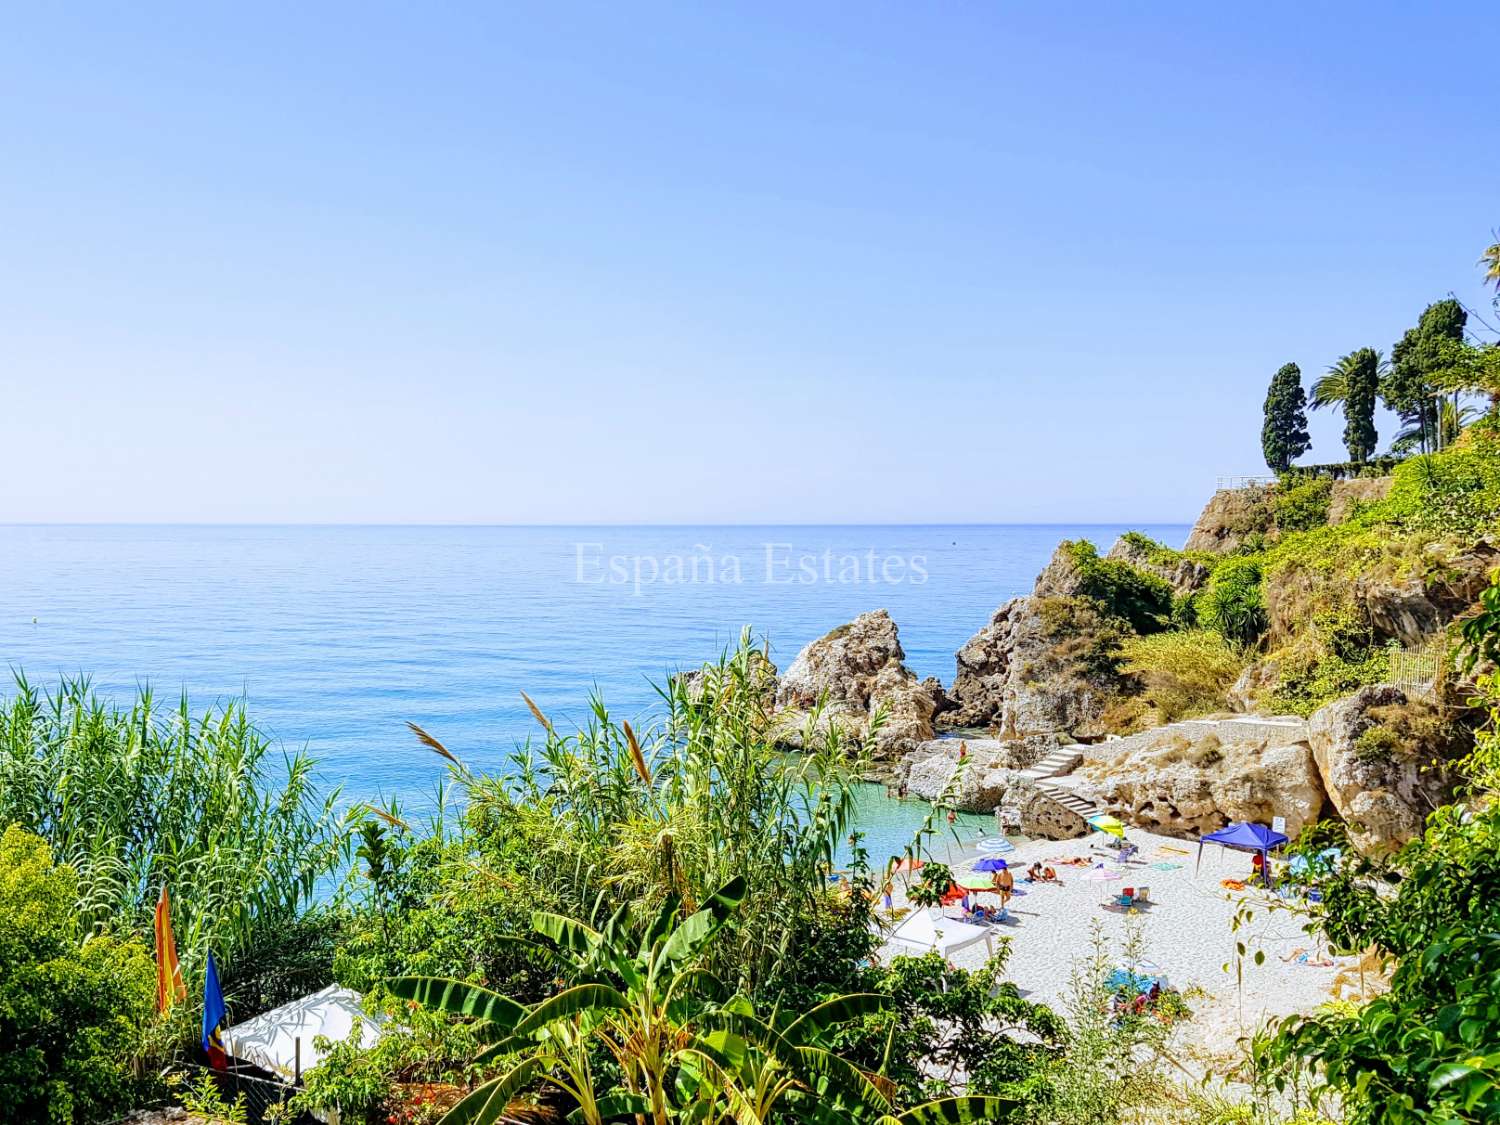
x=1183 y=673
x=1301 y=504
x=1142 y=600
x=1232 y=604
x=74 y=1007
x=1335 y=654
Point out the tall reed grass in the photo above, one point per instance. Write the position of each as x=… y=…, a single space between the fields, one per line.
x=134 y=798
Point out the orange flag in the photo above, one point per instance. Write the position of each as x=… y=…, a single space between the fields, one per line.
x=169 y=986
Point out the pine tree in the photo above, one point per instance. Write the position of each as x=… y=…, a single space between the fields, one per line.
x=1283 y=437
x=1359 y=403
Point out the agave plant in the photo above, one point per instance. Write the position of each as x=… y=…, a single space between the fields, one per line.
x=682 y=1048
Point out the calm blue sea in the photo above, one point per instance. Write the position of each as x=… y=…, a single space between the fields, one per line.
x=337 y=636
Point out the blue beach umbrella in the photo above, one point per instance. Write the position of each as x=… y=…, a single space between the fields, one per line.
x=991 y=863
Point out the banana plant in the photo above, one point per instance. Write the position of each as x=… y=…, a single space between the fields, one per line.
x=685 y=1050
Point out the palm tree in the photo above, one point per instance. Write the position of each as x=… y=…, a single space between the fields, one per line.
x=1333 y=388
x=682 y=1049
x=1490 y=259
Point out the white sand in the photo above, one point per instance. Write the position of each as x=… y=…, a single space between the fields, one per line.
x=1186 y=929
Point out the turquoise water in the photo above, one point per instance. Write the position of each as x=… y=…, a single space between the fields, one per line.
x=337 y=636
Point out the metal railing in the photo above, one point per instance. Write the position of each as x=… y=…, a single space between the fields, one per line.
x=1416 y=671
x=1234 y=484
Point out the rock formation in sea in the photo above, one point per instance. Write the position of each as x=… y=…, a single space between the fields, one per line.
x=1029 y=671
x=853 y=672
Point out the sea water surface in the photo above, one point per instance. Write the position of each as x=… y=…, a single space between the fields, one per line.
x=337 y=636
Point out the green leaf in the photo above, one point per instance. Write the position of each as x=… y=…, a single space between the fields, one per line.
x=840 y=1009
x=569 y=1003
x=488 y=1103
x=964 y=1109
x=458 y=998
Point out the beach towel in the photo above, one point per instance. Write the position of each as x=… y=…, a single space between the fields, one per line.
x=1175 y=851
x=1232 y=884
x=1166 y=866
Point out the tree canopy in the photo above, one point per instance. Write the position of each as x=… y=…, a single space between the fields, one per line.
x=1283 y=436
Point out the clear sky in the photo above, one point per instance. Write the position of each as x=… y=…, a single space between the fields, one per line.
x=826 y=262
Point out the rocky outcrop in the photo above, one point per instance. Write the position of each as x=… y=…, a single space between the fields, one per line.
x=1184 y=575
x=1254 y=684
x=1028 y=671
x=1040 y=817
x=1198 y=776
x=852 y=672
x=1411 y=610
x=1404 y=600
x=988 y=770
x=1346 y=495
x=1381 y=788
x=1230 y=518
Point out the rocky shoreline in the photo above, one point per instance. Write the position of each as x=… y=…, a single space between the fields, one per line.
x=1036 y=727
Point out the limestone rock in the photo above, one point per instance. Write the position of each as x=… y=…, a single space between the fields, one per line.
x=1253 y=684
x=1184 y=575
x=1232 y=515
x=1198 y=776
x=1383 y=793
x=989 y=769
x=855 y=670
x=1026 y=671
x=1041 y=817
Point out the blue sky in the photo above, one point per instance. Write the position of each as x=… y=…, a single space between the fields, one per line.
x=708 y=263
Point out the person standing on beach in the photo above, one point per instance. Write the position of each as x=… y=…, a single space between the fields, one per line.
x=1005 y=883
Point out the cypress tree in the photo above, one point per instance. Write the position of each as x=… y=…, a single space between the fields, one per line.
x=1359 y=404
x=1283 y=436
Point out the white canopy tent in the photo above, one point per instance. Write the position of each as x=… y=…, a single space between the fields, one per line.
x=281 y=1040
x=924 y=930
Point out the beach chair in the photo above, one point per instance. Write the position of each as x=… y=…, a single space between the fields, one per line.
x=1142 y=895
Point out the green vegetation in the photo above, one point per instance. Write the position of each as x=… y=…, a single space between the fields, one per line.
x=1283 y=436
x=1231 y=604
x=1425 y=1051
x=74 y=1004
x=1300 y=503
x=1143 y=601
x=134 y=799
x=1183 y=673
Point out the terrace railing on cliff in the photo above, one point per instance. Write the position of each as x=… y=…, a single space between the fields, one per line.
x=1234 y=484
x=1416 y=671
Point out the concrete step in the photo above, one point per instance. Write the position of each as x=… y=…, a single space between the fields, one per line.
x=1069 y=799
x=1060 y=761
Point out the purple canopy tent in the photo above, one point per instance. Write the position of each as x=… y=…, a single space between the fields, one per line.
x=1245 y=837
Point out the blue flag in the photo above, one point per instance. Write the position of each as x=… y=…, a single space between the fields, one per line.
x=213 y=1016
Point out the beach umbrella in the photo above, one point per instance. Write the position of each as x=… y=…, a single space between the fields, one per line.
x=991 y=863
x=1101 y=874
x=1103 y=822
x=976 y=883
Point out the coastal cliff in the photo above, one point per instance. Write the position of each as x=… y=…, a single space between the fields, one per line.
x=1287 y=662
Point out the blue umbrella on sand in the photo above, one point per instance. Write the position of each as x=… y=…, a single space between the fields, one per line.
x=991 y=863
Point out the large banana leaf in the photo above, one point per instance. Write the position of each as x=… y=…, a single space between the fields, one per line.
x=567 y=933
x=569 y=1003
x=487 y=1103
x=459 y=998
x=840 y=1009
x=958 y=1111
x=691 y=934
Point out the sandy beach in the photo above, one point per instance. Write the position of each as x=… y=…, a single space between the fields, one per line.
x=1187 y=931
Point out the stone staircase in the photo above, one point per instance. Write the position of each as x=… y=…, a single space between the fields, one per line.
x=1068 y=798
x=1063 y=760
x=1050 y=778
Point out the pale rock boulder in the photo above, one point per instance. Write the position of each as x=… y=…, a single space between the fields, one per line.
x=1383 y=796
x=1198 y=776
x=853 y=671
x=1018 y=674
x=1229 y=518
x=989 y=768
